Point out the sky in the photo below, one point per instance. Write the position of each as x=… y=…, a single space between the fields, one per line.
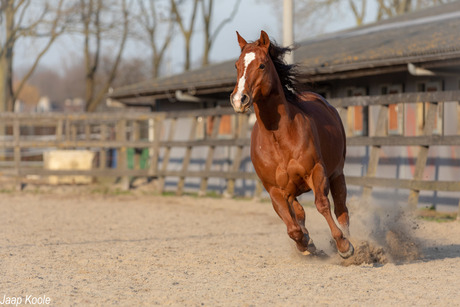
x=252 y=17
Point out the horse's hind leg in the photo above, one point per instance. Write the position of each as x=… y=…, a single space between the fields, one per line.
x=320 y=184
x=288 y=214
x=339 y=195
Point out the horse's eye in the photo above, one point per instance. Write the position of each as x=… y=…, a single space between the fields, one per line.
x=261 y=66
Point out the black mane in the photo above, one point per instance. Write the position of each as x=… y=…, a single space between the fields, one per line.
x=288 y=73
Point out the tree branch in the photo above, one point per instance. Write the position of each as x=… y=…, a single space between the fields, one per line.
x=92 y=105
x=54 y=35
x=359 y=16
x=225 y=21
x=187 y=33
x=178 y=17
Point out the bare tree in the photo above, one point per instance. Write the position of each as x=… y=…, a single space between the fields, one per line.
x=19 y=18
x=187 y=32
x=131 y=71
x=153 y=17
x=312 y=12
x=359 y=13
x=151 y=21
x=391 y=8
x=95 y=27
x=210 y=37
x=311 y=9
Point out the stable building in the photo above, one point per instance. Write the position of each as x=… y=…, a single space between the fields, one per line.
x=412 y=53
x=419 y=51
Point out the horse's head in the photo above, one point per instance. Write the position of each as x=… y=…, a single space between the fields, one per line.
x=254 y=69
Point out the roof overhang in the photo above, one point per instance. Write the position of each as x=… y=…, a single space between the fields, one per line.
x=441 y=64
x=428 y=39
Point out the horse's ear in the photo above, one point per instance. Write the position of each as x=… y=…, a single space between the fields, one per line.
x=264 y=40
x=241 y=40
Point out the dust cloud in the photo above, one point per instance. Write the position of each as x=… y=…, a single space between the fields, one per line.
x=381 y=233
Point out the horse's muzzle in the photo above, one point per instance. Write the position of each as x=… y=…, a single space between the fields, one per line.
x=241 y=103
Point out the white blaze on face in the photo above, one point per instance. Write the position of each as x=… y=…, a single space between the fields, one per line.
x=248 y=58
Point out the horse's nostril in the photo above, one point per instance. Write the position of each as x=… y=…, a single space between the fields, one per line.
x=244 y=98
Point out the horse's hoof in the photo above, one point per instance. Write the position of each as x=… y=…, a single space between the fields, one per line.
x=349 y=253
x=306 y=253
x=311 y=248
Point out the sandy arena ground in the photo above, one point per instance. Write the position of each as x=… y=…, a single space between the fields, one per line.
x=141 y=250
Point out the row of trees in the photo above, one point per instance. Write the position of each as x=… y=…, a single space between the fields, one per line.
x=313 y=15
x=104 y=27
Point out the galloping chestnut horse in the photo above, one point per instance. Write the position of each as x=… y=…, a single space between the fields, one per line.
x=297 y=143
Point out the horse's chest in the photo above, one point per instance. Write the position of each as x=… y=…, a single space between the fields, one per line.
x=281 y=170
x=291 y=177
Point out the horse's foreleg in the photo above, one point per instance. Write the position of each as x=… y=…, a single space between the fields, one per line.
x=339 y=194
x=320 y=184
x=300 y=218
x=288 y=214
x=299 y=215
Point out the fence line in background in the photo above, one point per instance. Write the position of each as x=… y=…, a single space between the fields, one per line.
x=101 y=132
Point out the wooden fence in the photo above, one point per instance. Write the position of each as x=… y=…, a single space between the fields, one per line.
x=101 y=132
x=381 y=138
x=156 y=132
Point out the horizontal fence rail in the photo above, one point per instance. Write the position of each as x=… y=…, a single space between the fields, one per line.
x=160 y=135
x=395 y=98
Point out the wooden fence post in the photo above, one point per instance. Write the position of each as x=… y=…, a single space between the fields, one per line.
x=17 y=153
x=59 y=130
x=122 y=153
x=157 y=126
x=67 y=128
x=241 y=132
x=422 y=156
x=103 y=151
x=87 y=131
x=167 y=155
x=74 y=131
x=210 y=155
x=374 y=155
x=343 y=114
x=187 y=157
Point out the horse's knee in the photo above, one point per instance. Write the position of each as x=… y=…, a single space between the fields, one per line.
x=322 y=205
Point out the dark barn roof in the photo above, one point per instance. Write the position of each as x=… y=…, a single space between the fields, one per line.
x=420 y=37
x=424 y=38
